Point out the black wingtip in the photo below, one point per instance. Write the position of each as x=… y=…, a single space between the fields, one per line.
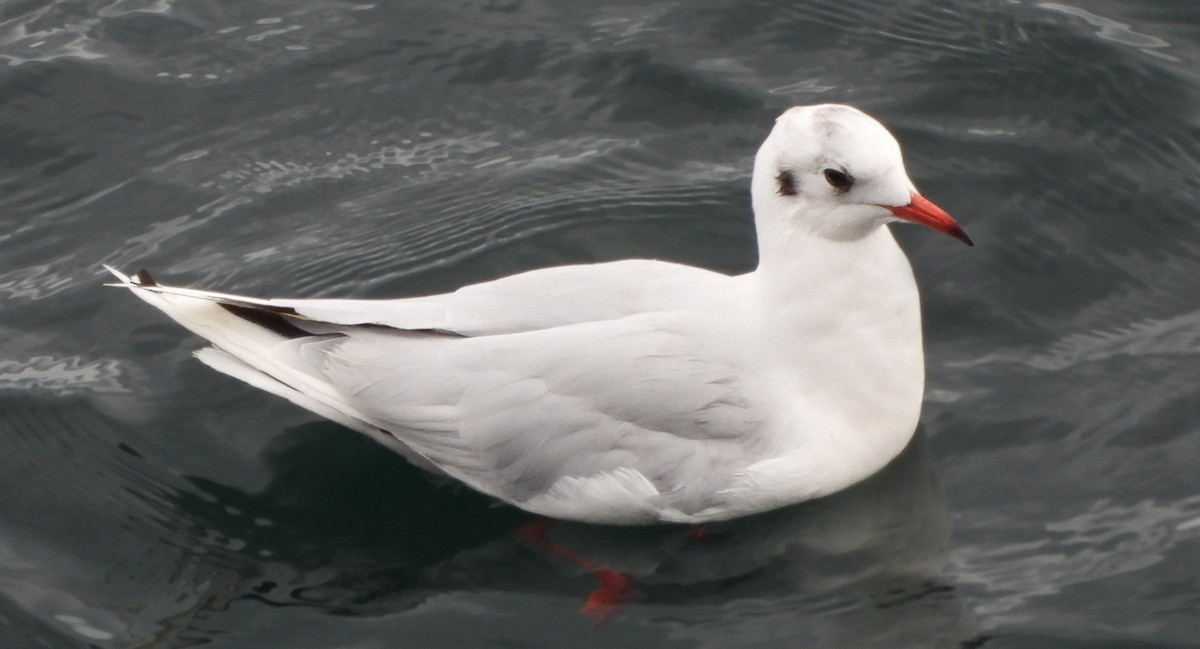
x=267 y=319
x=144 y=278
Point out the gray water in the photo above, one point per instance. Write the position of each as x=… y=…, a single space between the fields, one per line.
x=320 y=148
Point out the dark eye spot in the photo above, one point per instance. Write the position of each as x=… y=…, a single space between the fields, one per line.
x=839 y=180
x=787 y=183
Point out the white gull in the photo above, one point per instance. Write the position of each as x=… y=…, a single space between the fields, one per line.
x=635 y=391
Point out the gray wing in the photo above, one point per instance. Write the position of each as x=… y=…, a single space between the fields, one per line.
x=584 y=392
x=594 y=415
x=538 y=299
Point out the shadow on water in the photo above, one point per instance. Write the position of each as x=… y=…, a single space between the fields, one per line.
x=345 y=529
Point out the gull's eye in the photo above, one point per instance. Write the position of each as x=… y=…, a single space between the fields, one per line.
x=839 y=180
x=787 y=183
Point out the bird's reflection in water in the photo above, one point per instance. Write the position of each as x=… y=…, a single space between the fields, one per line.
x=889 y=533
x=349 y=529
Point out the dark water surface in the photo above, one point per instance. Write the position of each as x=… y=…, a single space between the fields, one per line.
x=320 y=148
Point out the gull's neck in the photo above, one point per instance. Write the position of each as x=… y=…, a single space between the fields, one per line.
x=846 y=289
x=841 y=325
x=796 y=260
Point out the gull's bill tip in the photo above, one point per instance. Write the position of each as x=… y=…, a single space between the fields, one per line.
x=922 y=211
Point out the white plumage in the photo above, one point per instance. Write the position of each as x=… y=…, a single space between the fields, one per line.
x=634 y=391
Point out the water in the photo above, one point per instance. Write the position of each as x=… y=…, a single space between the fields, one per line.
x=1052 y=498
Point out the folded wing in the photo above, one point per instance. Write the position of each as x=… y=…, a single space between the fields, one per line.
x=534 y=418
x=558 y=391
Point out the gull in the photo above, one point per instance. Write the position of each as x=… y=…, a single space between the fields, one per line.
x=635 y=391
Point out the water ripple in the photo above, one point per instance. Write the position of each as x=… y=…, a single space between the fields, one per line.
x=1108 y=539
x=1115 y=31
x=62 y=376
x=1170 y=336
x=144 y=37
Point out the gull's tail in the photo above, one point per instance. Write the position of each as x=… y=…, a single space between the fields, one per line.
x=271 y=347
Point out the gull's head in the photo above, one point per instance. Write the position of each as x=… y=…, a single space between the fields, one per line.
x=834 y=171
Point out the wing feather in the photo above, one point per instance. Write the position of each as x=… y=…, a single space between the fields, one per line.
x=515 y=414
x=530 y=301
x=581 y=387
